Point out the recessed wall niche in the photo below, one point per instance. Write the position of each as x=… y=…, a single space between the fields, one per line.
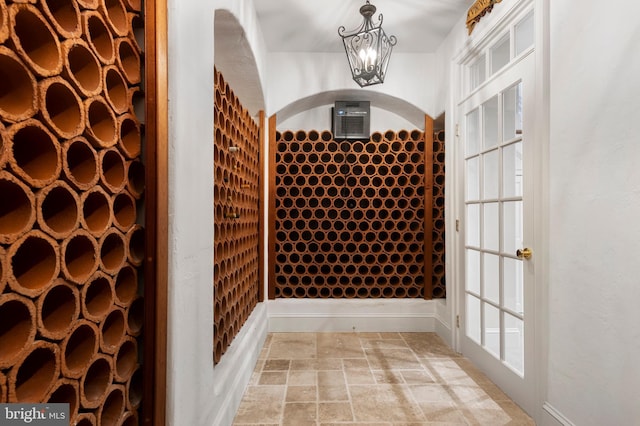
x=236 y=215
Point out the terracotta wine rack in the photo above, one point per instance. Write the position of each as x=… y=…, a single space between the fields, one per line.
x=438 y=279
x=71 y=189
x=236 y=215
x=349 y=215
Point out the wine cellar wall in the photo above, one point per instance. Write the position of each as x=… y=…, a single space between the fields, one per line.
x=350 y=216
x=71 y=206
x=236 y=215
x=438 y=279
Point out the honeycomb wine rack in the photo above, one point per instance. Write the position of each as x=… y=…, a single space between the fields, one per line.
x=438 y=279
x=350 y=216
x=236 y=215
x=71 y=195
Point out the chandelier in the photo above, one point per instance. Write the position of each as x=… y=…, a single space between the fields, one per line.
x=368 y=48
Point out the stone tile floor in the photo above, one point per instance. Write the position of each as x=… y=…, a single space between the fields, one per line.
x=371 y=379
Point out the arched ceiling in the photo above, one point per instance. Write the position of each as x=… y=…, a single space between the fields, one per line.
x=235 y=60
x=389 y=103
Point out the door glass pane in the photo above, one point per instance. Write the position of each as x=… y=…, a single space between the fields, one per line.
x=473 y=132
x=491 y=226
x=490 y=122
x=514 y=342
x=491 y=277
x=512 y=170
x=477 y=72
x=473 y=225
x=473 y=271
x=524 y=34
x=513 y=284
x=473 y=323
x=492 y=329
x=473 y=179
x=512 y=112
x=511 y=226
x=491 y=175
x=500 y=54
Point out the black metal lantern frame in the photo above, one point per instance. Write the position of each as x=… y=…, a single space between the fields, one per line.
x=368 y=49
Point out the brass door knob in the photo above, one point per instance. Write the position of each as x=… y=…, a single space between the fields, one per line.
x=525 y=253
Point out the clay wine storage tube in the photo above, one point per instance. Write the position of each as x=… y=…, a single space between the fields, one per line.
x=17 y=327
x=17 y=211
x=18 y=86
x=34 y=40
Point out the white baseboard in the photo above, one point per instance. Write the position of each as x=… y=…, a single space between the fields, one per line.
x=344 y=315
x=232 y=374
x=555 y=416
x=443 y=330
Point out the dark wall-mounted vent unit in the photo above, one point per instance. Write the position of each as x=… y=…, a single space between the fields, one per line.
x=351 y=120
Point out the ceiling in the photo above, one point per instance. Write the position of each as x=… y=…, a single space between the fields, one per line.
x=312 y=26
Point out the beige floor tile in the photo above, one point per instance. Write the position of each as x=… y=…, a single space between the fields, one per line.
x=471 y=370
x=447 y=371
x=442 y=412
x=392 y=359
x=466 y=395
x=370 y=379
x=369 y=335
x=335 y=412
x=276 y=365
x=255 y=424
x=428 y=345
x=339 y=345
x=316 y=364
x=387 y=377
x=331 y=378
x=384 y=343
x=359 y=377
x=299 y=414
x=273 y=378
x=432 y=392
x=417 y=377
x=301 y=394
x=355 y=364
x=293 y=346
x=255 y=378
x=500 y=413
x=303 y=378
x=332 y=386
x=261 y=404
x=393 y=335
x=333 y=393
x=493 y=391
x=356 y=424
x=390 y=403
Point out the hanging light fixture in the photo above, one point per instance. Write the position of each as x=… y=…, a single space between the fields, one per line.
x=368 y=49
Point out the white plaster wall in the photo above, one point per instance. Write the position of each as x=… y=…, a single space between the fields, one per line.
x=190 y=232
x=320 y=119
x=594 y=335
x=295 y=75
x=192 y=397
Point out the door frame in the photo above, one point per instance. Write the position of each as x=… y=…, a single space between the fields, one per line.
x=486 y=34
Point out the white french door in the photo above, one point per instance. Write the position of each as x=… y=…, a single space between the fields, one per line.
x=496 y=301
